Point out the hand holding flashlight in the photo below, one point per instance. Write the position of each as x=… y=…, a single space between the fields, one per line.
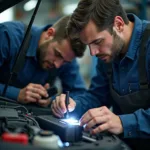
x=61 y=104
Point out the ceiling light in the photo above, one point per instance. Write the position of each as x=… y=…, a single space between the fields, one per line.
x=30 y=5
x=69 y=9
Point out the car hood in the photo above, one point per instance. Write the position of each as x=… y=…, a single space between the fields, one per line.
x=5 y=4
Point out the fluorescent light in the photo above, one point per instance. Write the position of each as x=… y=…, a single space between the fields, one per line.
x=30 y=5
x=69 y=9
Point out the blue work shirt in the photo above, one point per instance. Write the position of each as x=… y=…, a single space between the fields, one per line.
x=11 y=36
x=125 y=81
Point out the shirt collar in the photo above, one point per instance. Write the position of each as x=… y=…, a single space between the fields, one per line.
x=35 y=37
x=135 y=37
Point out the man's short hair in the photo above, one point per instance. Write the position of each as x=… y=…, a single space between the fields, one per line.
x=101 y=12
x=60 y=26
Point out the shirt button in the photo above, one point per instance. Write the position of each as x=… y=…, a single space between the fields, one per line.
x=122 y=90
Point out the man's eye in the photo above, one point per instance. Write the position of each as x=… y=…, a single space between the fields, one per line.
x=57 y=54
x=99 y=42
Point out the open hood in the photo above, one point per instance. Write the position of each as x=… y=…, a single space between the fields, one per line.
x=5 y=4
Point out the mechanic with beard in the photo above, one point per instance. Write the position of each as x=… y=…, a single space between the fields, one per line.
x=49 y=48
x=122 y=44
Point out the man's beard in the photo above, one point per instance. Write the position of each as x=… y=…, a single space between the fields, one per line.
x=116 y=48
x=118 y=45
x=41 y=52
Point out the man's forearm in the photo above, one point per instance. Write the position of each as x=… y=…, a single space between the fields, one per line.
x=11 y=92
x=136 y=125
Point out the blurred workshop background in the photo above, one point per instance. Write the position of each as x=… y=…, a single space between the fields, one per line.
x=51 y=10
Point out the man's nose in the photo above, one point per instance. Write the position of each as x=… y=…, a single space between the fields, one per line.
x=93 y=50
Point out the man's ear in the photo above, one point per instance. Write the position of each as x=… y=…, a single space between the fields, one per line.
x=50 y=33
x=119 y=24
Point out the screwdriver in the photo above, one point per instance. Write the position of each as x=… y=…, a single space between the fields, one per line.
x=67 y=103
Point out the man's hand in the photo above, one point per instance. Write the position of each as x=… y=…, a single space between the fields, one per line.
x=104 y=119
x=58 y=106
x=32 y=93
x=44 y=102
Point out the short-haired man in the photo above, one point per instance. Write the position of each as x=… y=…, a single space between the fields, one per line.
x=50 y=52
x=122 y=40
